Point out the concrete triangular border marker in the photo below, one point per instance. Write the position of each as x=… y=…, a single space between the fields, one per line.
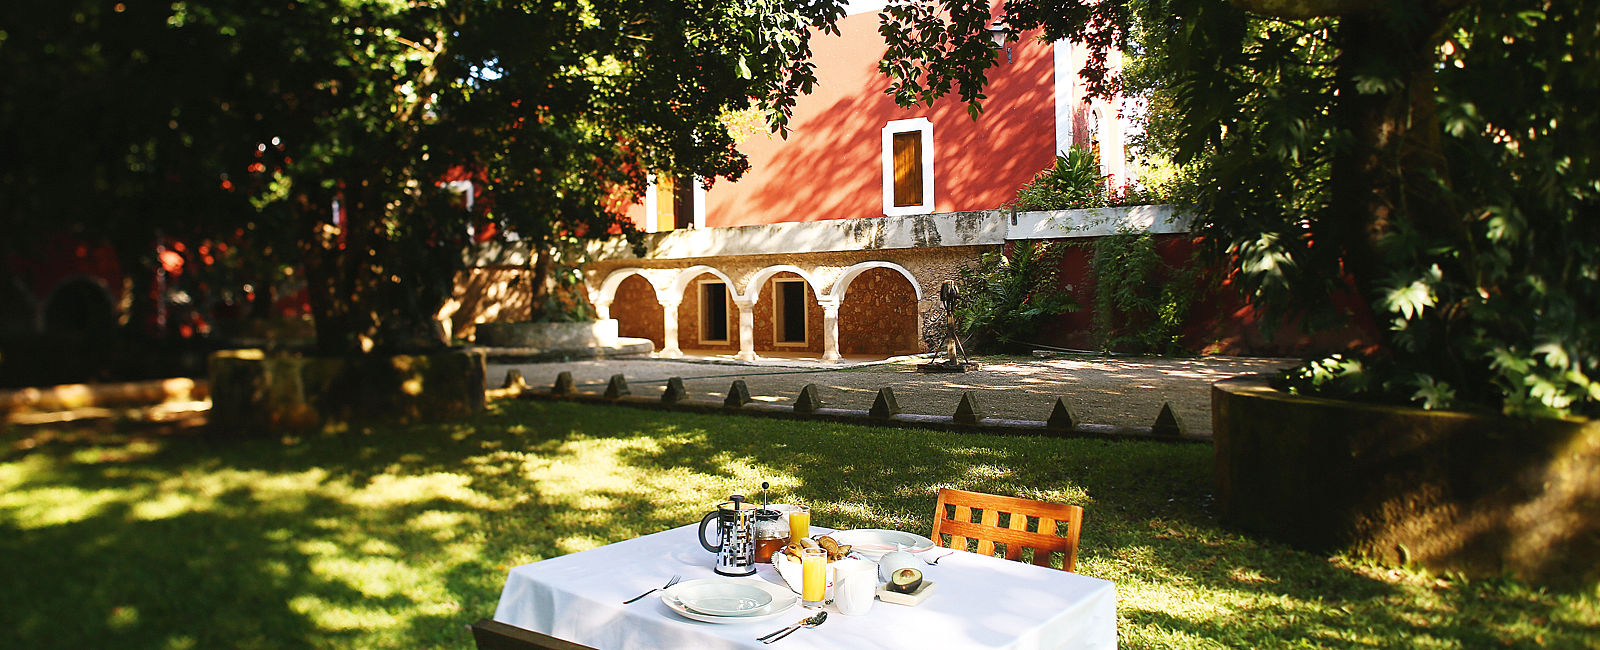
x=563 y=385
x=885 y=405
x=738 y=395
x=617 y=387
x=515 y=381
x=809 y=400
x=675 y=391
x=1168 y=423
x=1061 y=416
x=968 y=412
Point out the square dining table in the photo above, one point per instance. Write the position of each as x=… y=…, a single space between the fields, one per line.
x=977 y=602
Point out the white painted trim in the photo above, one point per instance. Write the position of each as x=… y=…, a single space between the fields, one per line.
x=700 y=206
x=841 y=286
x=650 y=205
x=1099 y=222
x=805 y=313
x=608 y=287
x=727 y=307
x=853 y=7
x=1064 y=75
x=904 y=126
x=651 y=218
x=681 y=282
x=752 y=292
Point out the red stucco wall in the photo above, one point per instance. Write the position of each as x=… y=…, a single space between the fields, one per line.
x=830 y=167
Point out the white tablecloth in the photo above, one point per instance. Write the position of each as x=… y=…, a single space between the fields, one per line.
x=979 y=602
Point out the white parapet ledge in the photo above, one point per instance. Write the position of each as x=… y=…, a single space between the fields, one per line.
x=983 y=228
x=878 y=233
x=1098 y=222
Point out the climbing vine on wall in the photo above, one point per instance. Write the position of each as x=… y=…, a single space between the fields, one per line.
x=1141 y=302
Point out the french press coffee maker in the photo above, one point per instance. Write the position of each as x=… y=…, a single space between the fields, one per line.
x=736 y=537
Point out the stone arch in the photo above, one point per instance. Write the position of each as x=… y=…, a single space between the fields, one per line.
x=680 y=283
x=842 y=285
x=752 y=289
x=608 y=287
x=82 y=304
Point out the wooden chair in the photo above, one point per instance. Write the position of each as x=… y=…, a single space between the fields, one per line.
x=1016 y=534
x=490 y=634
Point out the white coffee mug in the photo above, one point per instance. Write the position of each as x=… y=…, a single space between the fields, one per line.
x=855 y=585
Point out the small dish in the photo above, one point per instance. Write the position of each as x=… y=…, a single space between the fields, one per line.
x=724 y=598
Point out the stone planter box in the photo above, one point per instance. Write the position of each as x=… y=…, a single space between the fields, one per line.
x=548 y=336
x=1482 y=495
x=256 y=392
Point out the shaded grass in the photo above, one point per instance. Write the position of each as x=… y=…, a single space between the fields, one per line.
x=398 y=537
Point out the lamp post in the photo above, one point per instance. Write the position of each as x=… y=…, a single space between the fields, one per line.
x=1001 y=33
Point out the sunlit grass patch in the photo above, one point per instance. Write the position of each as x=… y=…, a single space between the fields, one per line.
x=398 y=537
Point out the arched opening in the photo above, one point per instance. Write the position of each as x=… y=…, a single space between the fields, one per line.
x=708 y=319
x=878 y=315
x=637 y=311
x=787 y=318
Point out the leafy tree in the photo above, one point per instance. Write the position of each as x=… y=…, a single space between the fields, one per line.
x=326 y=128
x=1435 y=157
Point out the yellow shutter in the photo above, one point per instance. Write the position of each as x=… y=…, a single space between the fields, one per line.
x=908 y=168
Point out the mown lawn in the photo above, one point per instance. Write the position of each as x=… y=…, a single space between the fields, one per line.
x=399 y=537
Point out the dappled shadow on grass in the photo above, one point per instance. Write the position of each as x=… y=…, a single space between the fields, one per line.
x=399 y=536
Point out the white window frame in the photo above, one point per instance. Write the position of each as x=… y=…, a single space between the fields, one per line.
x=906 y=126
x=650 y=214
x=727 y=310
x=777 y=317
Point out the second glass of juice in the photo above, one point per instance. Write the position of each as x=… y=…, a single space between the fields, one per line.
x=813 y=577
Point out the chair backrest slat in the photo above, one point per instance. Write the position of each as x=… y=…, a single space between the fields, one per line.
x=1014 y=535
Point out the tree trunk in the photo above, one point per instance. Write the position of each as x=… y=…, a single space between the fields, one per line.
x=1394 y=137
x=539 y=290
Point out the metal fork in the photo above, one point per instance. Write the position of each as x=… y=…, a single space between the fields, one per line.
x=673 y=581
x=810 y=622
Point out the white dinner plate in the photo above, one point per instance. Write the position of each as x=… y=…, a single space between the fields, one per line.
x=724 y=598
x=782 y=601
x=874 y=542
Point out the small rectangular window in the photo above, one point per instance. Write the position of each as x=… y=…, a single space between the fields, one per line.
x=789 y=313
x=713 y=312
x=908 y=174
x=908 y=168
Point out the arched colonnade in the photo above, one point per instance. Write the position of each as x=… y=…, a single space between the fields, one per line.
x=830 y=287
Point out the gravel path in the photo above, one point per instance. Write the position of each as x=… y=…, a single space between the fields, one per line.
x=1121 y=391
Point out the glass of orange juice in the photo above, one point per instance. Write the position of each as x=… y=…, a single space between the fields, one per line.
x=813 y=577
x=799 y=522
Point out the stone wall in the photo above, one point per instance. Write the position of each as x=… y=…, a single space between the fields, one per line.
x=1485 y=495
x=485 y=295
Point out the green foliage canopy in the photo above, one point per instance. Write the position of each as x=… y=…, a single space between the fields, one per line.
x=232 y=116
x=1434 y=157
